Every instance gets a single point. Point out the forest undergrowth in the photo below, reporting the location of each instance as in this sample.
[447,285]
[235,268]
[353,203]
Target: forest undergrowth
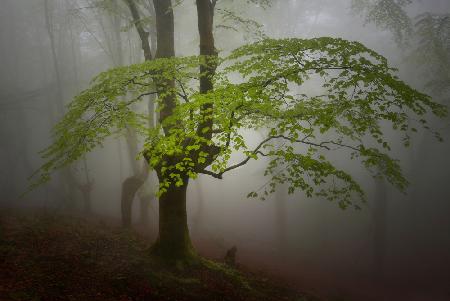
[52,256]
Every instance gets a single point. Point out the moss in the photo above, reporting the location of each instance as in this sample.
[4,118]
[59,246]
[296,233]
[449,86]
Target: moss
[234,275]
[179,259]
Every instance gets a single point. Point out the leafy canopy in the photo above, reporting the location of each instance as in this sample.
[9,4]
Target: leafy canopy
[270,86]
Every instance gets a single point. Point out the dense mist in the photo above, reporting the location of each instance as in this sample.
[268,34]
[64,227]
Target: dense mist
[396,247]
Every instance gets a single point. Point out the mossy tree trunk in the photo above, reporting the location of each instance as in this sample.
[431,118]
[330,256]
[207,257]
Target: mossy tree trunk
[174,243]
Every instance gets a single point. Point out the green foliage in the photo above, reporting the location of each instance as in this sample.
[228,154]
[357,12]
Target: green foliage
[360,94]
[233,15]
[105,109]
[263,87]
[230,20]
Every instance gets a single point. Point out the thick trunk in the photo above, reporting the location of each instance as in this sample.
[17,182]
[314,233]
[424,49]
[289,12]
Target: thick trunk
[205,12]
[174,243]
[165,40]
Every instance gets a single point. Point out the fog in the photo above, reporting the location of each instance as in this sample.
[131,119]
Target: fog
[397,247]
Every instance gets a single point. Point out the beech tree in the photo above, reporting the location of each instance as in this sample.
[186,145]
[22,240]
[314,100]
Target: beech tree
[205,102]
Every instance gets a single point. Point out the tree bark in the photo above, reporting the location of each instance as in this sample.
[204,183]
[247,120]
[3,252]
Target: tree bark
[165,40]
[198,219]
[174,242]
[205,15]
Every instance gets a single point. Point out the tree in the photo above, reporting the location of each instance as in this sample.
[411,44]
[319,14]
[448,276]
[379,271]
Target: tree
[132,184]
[204,103]
[111,39]
[69,178]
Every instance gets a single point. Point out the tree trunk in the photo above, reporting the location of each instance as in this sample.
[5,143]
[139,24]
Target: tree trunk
[145,207]
[129,188]
[174,243]
[380,230]
[197,221]
[132,184]
[280,219]
[67,176]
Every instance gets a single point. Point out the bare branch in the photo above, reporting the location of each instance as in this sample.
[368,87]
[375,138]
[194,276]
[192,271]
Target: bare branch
[184,95]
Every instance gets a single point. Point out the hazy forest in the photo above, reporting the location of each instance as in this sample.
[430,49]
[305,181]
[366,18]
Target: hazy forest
[233,150]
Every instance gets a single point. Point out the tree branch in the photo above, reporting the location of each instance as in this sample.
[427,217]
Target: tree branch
[261,144]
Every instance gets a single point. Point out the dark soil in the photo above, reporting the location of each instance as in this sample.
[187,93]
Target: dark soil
[48,256]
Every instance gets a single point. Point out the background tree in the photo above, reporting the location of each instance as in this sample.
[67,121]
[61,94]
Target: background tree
[424,39]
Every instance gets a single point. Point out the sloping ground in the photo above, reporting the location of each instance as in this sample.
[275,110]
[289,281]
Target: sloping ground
[55,257]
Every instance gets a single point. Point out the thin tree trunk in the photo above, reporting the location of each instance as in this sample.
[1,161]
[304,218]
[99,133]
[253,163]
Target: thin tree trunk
[143,35]
[129,188]
[379,213]
[280,218]
[59,94]
[86,188]
[280,213]
[66,173]
[132,184]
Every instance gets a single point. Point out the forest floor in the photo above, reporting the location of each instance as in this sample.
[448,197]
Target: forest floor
[48,256]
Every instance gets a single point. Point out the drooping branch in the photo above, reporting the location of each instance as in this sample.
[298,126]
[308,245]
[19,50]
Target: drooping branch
[257,151]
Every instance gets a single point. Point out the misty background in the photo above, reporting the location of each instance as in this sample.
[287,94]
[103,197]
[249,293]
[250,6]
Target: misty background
[397,244]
